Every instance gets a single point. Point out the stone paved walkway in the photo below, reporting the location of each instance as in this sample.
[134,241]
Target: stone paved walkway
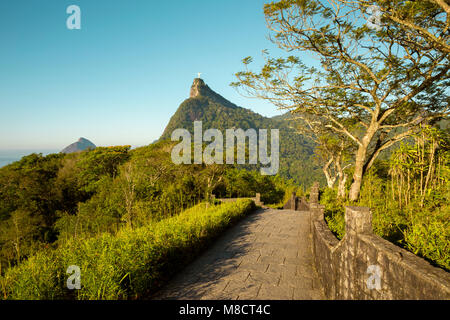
[267,256]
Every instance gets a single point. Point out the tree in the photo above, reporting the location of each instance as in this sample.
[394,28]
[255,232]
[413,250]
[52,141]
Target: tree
[332,149]
[139,177]
[334,157]
[212,176]
[375,86]
[130,178]
[20,233]
[102,161]
[418,169]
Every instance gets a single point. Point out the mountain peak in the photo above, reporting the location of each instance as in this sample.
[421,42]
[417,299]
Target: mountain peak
[204,104]
[81,145]
[199,88]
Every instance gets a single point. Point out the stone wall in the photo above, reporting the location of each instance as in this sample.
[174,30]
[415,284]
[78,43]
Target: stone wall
[364,266]
[256,199]
[296,203]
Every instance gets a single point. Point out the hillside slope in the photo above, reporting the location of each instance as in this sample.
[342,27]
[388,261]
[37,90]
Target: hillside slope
[296,152]
[78,146]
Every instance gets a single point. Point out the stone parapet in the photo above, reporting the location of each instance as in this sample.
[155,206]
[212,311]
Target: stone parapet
[364,266]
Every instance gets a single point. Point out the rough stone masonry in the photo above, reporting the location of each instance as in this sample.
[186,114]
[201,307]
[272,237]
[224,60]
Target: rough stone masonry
[348,267]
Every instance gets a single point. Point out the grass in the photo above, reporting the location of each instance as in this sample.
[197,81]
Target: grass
[129,265]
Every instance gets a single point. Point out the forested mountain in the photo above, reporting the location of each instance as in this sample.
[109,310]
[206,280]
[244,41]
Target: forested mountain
[47,201]
[50,200]
[296,152]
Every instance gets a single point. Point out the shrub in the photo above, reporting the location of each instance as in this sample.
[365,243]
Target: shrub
[334,212]
[423,231]
[428,235]
[130,264]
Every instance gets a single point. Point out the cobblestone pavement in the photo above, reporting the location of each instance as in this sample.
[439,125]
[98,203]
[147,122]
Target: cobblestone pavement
[267,256]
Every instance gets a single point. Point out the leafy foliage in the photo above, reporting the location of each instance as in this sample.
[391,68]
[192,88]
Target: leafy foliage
[372,87]
[54,200]
[131,264]
[296,152]
[408,208]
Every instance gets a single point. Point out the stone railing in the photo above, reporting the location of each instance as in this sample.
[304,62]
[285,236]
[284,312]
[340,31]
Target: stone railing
[364,266]
[300,204]
[296,203]
[256,199]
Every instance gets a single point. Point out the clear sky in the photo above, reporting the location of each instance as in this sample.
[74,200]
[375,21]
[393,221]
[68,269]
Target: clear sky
[120,78]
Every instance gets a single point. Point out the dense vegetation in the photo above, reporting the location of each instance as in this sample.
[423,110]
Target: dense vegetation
[46,202]
[408,194]
[297,159]
[98,201]
[132,263]
[373,87]
[131,218]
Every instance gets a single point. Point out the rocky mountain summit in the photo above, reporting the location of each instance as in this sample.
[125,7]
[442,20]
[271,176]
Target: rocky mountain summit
[200,89]
[81,145]
[216,112]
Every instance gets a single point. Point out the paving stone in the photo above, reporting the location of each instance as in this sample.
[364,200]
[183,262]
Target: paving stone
[300,283]
[219,296]
[247,296]
[253,266]
[285,270]
[256,246]
[252,257]
[237,276]
[266,251]
[270,259]
[266,256]
[269,292]
[291,260]
[302,294]
[266,278]
[214,287]
[290,253]
[250,287]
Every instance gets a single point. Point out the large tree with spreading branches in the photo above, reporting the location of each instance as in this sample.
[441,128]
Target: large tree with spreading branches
[382,69]
[332,149]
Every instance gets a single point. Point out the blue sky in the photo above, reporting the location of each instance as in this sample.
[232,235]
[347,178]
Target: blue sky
[120,78]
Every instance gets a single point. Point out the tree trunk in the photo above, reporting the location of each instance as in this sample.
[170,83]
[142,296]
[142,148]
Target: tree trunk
[330,180]
[430,171]
[360,161]
[17,242]
[341,185]
[359,172]
[342,176]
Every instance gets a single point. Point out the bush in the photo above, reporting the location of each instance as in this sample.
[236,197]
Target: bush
[423,231]
[428,235]
[130,264]
[334,212]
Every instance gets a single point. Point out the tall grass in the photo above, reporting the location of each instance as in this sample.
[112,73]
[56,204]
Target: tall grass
[129,265]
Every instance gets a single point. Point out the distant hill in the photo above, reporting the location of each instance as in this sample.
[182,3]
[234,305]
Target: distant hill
[284,116]
[81,145]
[296,152]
